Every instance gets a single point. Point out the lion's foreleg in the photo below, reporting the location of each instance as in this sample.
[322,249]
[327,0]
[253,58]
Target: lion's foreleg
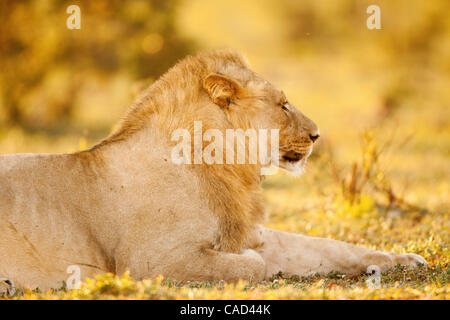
[301,255]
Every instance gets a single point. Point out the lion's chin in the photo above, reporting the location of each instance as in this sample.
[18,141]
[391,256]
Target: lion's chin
[294,163]
[293,168]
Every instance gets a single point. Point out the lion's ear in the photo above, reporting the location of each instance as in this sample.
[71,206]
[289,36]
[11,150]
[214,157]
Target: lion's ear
[221,89]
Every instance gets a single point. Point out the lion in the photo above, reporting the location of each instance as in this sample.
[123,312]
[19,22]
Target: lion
[124,205]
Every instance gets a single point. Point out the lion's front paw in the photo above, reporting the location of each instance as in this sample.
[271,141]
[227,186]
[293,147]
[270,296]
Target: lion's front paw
[386,260]
[410,259]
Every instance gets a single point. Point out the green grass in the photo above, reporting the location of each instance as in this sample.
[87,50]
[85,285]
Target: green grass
[396,283]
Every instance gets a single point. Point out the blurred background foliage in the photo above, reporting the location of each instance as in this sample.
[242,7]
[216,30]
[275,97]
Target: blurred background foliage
[49,71]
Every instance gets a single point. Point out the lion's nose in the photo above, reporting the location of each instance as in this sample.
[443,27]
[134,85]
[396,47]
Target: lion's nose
[314,137]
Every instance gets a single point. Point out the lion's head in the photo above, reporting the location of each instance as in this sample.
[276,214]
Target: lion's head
[251,101]
[219,88]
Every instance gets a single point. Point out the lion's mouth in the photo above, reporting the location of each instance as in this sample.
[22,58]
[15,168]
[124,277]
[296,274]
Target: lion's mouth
[294,162]
[292,156]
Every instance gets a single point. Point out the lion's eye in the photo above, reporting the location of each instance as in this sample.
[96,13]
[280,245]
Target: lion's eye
[284,107]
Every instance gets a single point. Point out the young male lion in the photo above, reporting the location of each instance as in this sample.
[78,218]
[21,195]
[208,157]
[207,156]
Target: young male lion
[124,205]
